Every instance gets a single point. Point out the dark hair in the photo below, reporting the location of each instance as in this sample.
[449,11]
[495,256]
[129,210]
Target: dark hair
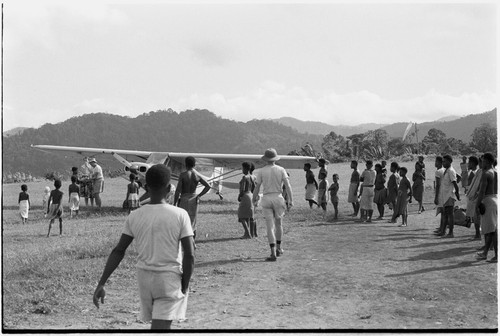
[74,169]
[378,165]
[335,175]
[448,157]
[245,165]
[395,165]
[132,177]
[190,162]
[252,167]
[307,164]
[24,187]
[369,162]
[439,158]
[73,179]
[354,161]
[322,160]
[489,157]
[158,176]
[404,169]
[57,184]
[473,159]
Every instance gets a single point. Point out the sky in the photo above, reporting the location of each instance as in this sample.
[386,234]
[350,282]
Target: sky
[335,62]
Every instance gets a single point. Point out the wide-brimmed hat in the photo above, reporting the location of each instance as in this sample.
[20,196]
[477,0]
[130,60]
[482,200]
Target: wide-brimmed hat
[270,155]
[92,160]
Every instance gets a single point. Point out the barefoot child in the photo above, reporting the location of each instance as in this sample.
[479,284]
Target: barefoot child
[392,186]
[54,207]
[311,185]
[322,194]
[334,198]
[132,196]
[74,196]
[45,198]
[404,197]
[24,203]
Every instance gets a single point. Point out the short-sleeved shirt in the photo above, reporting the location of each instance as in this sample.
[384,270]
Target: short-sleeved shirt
[97,172]
[446,188]
[271,178]
[440,173]
[157,230]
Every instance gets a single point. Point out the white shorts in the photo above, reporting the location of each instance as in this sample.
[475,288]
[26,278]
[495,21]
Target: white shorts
[273,205]
[161,295]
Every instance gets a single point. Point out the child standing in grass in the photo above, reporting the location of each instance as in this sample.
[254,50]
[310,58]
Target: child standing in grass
[132,193]
[404,197]
[24,203]
[334,198]
[74,196]
[54,207]
[322,194]
[45,198]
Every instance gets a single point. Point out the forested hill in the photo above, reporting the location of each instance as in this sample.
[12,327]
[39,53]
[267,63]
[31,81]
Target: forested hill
[460,128]
[167,131]
[316,127]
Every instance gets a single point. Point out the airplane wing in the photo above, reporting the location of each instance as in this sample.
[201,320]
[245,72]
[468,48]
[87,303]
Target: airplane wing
[88,151]
[230,161]
[234,161]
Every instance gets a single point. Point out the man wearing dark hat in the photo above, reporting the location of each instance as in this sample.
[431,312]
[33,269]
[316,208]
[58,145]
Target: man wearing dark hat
[272,178]
[98,181]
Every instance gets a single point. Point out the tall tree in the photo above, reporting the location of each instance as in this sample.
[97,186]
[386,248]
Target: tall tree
[335,147]
[484,138]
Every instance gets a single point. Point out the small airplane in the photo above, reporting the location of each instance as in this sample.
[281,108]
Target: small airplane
[210,166]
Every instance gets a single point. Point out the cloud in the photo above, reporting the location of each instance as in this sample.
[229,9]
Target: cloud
[274,100]
[42,23]
[213,53]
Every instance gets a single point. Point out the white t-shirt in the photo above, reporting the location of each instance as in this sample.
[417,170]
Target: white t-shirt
[271,178]
[440,173]
[97,172]
[446,188]
[157,230]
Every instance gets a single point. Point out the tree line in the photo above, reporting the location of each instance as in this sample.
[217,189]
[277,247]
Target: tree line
[377,145]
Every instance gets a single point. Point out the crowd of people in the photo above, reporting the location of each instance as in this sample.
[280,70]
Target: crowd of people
[478,178]
[87,183]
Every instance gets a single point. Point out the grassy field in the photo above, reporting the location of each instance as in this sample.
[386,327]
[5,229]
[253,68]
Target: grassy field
[333,275]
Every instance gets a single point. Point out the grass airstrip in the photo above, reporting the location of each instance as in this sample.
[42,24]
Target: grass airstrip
[333,275]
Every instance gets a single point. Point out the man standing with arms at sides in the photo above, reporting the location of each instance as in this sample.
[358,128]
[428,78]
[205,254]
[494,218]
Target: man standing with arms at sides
[367,192]
[271,178]
[98,182]
[448,194]
[185,193]
[438,163]
[163,269]
[352,197]
[487,203]
[472,193]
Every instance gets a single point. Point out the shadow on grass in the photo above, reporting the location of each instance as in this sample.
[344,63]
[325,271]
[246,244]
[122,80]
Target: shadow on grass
[439,255]
[402,237]
[441,241]
[216,240]
[462,264]
[230,261]
[219,212]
